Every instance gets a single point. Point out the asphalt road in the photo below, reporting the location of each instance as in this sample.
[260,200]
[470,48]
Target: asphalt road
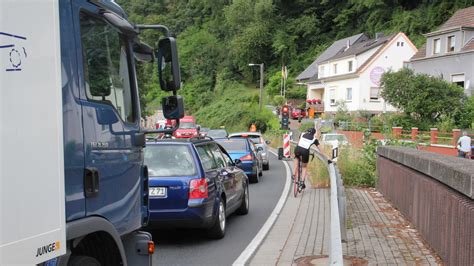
[191,247]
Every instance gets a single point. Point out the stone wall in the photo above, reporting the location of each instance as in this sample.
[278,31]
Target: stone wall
[435,192]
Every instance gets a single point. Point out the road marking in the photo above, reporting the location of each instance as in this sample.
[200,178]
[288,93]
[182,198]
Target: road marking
[257,240]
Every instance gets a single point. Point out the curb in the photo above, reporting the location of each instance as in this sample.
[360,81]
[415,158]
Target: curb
[262,233]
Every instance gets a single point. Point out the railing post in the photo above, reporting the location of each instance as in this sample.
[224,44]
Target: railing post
[433,135]
[414,133]
[396,132]
[456,136]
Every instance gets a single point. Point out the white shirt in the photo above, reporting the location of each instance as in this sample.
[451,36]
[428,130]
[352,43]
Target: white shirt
[464,144]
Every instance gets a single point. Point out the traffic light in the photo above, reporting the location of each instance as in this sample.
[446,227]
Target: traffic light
[285,117]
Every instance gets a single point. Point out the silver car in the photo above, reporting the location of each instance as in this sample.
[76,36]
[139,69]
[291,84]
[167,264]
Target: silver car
[256,137]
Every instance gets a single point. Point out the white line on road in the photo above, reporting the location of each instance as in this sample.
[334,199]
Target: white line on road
[257,240]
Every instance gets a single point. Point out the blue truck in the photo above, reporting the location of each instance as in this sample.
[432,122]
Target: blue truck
[74,187]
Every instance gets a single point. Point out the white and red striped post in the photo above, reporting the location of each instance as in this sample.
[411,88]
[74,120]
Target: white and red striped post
[286,145]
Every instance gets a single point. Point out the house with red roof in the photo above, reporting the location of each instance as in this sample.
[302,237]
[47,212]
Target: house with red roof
[449,51]
[351,75]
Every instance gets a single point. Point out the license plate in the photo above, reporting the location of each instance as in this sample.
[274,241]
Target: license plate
[157,192]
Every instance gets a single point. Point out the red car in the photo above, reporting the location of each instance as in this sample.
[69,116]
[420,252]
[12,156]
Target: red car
[296,112]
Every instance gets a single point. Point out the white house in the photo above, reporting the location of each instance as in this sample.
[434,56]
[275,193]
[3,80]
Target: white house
[352,75]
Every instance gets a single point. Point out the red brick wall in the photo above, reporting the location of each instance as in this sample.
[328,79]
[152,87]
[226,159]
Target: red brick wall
[442,215]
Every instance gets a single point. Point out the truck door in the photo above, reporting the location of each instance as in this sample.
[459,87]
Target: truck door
[110,113]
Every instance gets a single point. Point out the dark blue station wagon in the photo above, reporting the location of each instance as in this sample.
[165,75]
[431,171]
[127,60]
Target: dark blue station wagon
[194,183]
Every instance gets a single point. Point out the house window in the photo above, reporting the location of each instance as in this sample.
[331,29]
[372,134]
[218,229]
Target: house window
[451,43]
[349,94]
[332,96]
[321,71]
[374,93]
[458,79]
[350,66]
[335,68]
[436,46]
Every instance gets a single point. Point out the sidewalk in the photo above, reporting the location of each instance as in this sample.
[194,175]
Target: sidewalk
[377,234]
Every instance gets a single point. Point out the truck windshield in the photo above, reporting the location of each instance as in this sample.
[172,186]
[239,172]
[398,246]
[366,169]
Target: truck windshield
[186,125]
[165,160]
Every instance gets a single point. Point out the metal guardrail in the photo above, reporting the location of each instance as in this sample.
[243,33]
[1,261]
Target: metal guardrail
[338,210]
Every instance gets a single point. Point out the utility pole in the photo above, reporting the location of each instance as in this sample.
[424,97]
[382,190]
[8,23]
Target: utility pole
[261,83]
[261,86]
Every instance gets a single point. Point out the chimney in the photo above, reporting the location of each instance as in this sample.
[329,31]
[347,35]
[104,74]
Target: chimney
[348,44]
[378,35]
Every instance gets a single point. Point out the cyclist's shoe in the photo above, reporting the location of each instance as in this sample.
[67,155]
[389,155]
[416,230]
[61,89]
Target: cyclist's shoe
[292,177]
[303,186]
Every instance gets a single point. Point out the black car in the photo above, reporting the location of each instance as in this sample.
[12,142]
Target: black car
[194,183]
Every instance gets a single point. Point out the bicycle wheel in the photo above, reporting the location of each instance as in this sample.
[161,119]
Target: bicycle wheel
[295,186]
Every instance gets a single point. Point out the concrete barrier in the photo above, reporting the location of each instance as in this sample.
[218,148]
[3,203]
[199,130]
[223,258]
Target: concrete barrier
[435,192]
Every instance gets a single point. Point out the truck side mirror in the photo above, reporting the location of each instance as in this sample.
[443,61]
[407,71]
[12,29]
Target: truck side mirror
[173,107]
[143,52]
[106,116]
[168,65]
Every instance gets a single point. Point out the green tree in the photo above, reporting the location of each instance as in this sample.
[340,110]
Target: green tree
[420,96]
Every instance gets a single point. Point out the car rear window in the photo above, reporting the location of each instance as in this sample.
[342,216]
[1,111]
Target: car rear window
[254,138]
[217,133]
[234,144]
[169,160]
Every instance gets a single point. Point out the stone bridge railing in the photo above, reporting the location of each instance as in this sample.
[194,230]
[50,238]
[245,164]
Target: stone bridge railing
[436,193]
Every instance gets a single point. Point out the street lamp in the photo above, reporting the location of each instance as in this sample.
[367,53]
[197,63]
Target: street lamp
[261,82]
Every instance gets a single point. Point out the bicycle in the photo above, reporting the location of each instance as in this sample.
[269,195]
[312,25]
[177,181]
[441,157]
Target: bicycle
[297,180]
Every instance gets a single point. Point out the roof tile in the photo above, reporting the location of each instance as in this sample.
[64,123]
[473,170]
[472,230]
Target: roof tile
[462,18]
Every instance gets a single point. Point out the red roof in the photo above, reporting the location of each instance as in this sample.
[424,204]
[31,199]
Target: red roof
[462,18]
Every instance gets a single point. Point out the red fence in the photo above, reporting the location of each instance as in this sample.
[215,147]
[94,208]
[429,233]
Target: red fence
[433,140]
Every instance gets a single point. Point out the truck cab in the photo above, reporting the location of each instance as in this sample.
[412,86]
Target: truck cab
[187,128]
[69,84]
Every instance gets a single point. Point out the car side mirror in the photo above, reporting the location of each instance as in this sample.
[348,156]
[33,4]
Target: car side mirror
[238,162]
[267,142]
[169,73]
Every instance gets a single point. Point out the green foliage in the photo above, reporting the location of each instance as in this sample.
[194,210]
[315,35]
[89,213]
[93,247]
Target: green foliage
[305,126]
[217,39]
[278,101]
[423,98]
[342,114]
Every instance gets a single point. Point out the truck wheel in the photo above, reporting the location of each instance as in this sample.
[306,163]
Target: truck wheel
[217,231]
[83,260]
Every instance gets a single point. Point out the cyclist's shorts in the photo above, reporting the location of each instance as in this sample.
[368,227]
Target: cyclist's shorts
[304,153]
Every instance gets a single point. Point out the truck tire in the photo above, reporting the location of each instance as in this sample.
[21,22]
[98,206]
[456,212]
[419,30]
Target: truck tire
[83,260]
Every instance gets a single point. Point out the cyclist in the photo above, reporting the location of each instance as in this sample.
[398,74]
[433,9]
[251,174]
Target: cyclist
[307,139]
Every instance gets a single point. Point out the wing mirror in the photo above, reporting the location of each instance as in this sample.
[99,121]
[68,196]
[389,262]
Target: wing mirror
[168,65]
[238,163]
[267,142]
[106,116]
[173,107]
[143,52]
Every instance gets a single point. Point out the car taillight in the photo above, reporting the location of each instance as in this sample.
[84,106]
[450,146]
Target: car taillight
[198,189]
[247,157]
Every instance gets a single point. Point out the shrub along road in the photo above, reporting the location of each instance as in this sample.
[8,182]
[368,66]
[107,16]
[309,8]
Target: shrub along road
[191,247]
